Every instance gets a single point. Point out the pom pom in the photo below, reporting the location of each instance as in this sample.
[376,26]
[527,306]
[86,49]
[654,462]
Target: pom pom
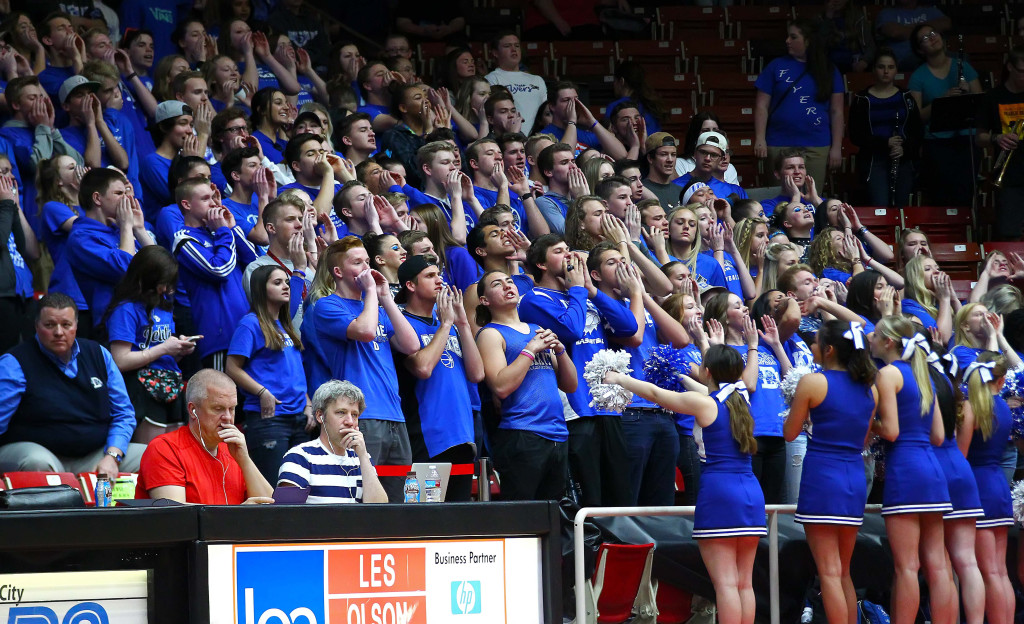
[607,397]
[664,366]
[1013,392]
[792,378]
[1017,493]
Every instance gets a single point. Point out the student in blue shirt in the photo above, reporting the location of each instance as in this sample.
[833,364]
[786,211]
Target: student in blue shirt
[315,169]
[432,381]
[976,330]
[252,188]
[212,254]
[173,132]
[349,329]
[524,366]
[445,187]
[373,80]
[490,184]
[710,149]
[104,239]
[566,110]
[800,103]
[566,301]
[269,121]
[790,169]
[140,326]
[684,244]
[265,361]
[87,131]
[63,56]
[718,242]
[117,120]
[457,267]
[556,167]
[57,181]
[357,140]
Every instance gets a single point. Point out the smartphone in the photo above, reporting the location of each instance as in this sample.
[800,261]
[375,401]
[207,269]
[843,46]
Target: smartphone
[193,338]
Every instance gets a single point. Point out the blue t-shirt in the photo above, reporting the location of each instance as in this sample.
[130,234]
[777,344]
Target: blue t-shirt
[373,110]
[280,372]
[62,280]
[272,149]
[766,402]
[732,276]
[246,215]
[721,188]
[445,410]
[153,176]
[690,353]
[157,16]
[836,275]
[652,122]
[910,306]
[332,355]
[489,198]
[798,119]
[22,274]
[707,271]
[584,138]
[129,323]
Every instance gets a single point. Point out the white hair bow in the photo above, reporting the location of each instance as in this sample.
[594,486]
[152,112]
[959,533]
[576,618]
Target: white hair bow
[984,369]
[856,334]
[951,367]
[909,344]
[724,392]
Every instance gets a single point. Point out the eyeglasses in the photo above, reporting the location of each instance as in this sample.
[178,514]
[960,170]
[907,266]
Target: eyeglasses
[236,129]
[707,154]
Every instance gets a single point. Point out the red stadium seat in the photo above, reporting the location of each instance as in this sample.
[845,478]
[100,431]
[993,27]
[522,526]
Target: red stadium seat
[941,224]
[681,22]
[675,89]
[963,287]
[714,55]
[759,21]
[583,58]
[674,604]
[1007,247]
[884,223]
[15,480]
[621,585]
[736,119]
[657,57]
[728,89]
[959,260]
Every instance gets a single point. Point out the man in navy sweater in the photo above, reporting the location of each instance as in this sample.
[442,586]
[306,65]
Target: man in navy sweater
[63,403]
[212,254]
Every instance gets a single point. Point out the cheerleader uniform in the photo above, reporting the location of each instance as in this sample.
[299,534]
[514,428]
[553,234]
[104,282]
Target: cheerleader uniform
[833,490]
[730,502]
[985,456]
[963,491]
[914,481]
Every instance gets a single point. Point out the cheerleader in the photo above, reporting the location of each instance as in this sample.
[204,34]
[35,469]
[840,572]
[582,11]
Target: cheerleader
[840,402]
[729,519]
[983,436]
[915,493]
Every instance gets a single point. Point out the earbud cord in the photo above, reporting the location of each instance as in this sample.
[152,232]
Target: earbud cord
[224,469]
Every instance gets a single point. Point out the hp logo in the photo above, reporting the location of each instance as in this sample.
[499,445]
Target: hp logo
[465,597]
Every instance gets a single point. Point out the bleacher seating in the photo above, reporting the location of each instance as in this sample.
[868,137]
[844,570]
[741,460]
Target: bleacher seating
[941,224]
[959,260]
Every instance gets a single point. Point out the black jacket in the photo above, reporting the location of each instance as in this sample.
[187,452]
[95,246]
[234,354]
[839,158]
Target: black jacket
[874,146]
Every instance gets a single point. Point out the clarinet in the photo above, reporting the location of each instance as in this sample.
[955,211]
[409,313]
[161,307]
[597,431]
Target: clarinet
[894,166]
[961,81]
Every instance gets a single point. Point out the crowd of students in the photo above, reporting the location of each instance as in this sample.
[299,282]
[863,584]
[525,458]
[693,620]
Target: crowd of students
[459,250]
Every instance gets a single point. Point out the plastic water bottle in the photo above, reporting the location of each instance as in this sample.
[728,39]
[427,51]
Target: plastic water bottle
[104,491]
[432,486]
[412,488]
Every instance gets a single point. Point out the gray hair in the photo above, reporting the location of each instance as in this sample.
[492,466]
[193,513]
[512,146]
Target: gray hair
[333,390]
[199,385]
[1002,299]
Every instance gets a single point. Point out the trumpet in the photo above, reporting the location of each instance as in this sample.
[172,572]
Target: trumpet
[1003,160]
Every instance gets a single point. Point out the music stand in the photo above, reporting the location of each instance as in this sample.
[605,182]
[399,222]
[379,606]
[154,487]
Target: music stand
[950,114]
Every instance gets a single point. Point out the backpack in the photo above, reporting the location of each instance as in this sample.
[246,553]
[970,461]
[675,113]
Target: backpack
[870,613]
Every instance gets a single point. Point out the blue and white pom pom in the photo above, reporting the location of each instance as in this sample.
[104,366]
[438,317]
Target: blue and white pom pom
[792,378]
[1017,494]
[664,366]
[607,397]
[1014,389]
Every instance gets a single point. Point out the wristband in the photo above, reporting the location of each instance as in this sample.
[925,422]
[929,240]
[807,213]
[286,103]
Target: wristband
[858,261]
[525,196]
[593,125]
[260,393]
[863,229]
[527,354]
[129,77]
[559,353]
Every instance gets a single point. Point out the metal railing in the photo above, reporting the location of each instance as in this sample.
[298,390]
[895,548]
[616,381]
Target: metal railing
[772,512]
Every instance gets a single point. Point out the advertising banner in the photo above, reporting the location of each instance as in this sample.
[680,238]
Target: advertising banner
[107,597]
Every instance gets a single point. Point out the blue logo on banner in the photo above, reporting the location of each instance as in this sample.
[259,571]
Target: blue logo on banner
[82,613]
[465,597]
[280,587]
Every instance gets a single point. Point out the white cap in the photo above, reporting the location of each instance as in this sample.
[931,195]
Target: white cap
[714,139]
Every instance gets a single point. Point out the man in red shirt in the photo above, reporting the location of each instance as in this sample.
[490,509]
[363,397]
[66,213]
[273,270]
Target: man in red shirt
[207,462]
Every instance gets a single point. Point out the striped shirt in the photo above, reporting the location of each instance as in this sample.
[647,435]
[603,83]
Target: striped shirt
[330,478]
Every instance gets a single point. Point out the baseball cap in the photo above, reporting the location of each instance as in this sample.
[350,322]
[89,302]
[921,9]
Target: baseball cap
[171,109]
[660,139]
[412,267]
[714,139]
[308,116]
[710,290]
[75,82]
